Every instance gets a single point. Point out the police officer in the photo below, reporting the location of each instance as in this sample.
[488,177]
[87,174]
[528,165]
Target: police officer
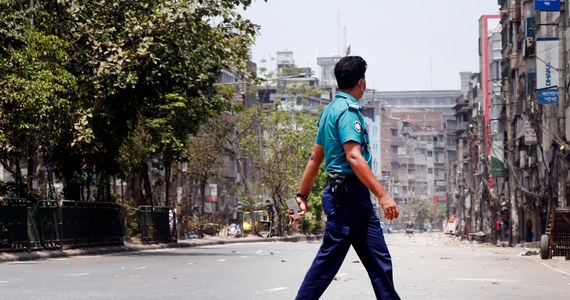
[343,143]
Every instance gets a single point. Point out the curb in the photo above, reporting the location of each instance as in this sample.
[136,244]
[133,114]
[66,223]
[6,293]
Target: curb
[48,254]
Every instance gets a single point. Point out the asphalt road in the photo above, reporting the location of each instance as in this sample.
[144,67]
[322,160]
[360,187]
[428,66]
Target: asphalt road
[427,266]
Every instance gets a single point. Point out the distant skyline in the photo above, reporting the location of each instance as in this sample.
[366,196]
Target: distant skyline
[409,45]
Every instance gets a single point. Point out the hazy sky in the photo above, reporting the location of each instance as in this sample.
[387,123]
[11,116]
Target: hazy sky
[409,45]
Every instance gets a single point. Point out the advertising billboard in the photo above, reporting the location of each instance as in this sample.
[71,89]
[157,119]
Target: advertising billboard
[547,65]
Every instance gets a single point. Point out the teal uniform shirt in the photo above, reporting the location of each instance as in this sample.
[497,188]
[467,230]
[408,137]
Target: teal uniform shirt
[340,122]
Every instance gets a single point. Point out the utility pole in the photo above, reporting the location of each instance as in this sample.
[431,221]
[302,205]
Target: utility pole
[510,188]
[562,175]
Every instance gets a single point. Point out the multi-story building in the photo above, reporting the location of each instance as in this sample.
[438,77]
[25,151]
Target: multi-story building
[433,100]
[511,124]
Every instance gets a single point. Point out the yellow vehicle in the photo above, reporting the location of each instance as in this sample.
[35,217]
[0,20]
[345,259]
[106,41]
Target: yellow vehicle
[259,216]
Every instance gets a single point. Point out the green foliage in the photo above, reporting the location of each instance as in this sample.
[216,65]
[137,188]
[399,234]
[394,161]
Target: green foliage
[418,211]
[35,88]
[286,141]
[88,74]
[129,216]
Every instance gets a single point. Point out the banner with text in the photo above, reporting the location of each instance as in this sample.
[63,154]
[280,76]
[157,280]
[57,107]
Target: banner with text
[211,192]
[547,5]
[547,65]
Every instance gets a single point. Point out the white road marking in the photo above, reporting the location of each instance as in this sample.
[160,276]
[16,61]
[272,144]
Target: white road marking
[79,274]
[221,260]
[277,289]
[22,263]
[162,250]
[485,279]
[139,268]
[554,269]
[2,281]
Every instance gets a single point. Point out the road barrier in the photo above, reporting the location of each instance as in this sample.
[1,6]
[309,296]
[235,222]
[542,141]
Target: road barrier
[18,230]
[49,225]
[72,224]
[156,224]
[91,224]
[48,215]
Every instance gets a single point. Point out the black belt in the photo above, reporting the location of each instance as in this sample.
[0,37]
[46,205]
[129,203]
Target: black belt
[342,178]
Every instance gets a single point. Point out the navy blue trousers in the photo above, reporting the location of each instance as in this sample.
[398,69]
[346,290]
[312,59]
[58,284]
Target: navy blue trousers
[350,222]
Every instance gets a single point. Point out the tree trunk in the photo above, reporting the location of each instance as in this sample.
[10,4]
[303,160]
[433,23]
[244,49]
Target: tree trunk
[167,175]
[19,184]
[31,172]
[147,185]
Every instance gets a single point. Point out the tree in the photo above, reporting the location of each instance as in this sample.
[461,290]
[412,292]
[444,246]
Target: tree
[206,152]
[287,140]
[418,211]
[35,104]
[135,62]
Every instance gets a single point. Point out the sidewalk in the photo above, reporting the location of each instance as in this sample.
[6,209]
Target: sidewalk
[129,247]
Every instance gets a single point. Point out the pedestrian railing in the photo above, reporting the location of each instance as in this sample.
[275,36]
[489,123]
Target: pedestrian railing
[50,226]
[91,224]
[18,230]
[53,225]
[156,224]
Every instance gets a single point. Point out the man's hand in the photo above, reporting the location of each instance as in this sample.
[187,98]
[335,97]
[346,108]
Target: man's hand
[390,207]
[302,210]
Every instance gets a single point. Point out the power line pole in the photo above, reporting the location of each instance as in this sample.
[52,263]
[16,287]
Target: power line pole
[562,175]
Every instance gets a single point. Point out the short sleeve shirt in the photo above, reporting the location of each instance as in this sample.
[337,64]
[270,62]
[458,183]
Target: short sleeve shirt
[340,122]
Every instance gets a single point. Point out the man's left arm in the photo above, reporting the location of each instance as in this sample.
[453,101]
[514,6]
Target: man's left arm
[366,176]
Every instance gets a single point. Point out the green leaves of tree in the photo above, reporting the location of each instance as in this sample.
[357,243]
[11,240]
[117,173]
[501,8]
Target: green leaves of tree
[89,73]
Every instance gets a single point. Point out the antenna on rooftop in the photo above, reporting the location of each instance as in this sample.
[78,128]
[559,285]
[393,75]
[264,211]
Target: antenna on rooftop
[339,41]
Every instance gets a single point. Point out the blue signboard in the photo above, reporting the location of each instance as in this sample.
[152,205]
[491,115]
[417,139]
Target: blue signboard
[547,5]
[547,96]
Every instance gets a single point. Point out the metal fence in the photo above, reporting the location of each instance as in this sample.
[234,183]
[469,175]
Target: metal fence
[18,229]
[72,224]
[50,225]
[156,224]
[91,224]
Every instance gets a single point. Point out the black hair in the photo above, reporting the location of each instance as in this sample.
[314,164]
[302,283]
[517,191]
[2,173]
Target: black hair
[348,71]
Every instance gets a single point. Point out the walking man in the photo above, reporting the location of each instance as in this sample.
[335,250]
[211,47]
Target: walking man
[342,142]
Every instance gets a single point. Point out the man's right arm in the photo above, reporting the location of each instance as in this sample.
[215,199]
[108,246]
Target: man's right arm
[364,173]
[311,172]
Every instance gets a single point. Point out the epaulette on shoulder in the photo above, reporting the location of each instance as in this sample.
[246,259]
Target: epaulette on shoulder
[353,107]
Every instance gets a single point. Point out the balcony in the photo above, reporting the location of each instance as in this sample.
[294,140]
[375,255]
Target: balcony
[514,13]
[514,61]
[462,127]
[439,144]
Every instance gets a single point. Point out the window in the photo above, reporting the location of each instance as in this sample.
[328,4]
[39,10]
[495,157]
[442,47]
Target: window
[394,132]
[430,170]
[430,153]
[394,149]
